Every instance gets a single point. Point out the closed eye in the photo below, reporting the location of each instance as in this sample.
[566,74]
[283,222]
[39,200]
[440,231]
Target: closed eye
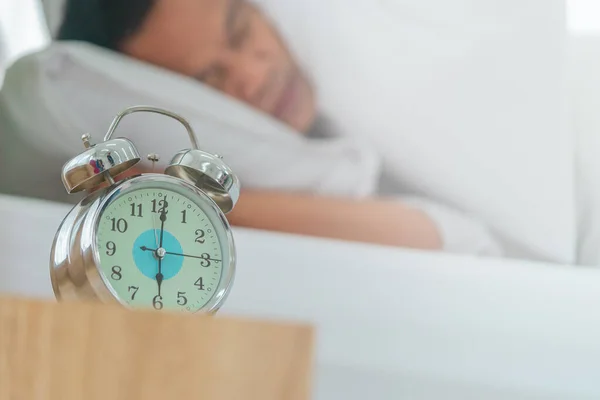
[214,76]
[240,36]
[238,25]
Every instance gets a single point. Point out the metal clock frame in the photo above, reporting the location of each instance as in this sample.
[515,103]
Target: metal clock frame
[75,260]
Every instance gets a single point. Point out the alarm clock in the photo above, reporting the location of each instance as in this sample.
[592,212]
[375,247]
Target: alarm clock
[158,241]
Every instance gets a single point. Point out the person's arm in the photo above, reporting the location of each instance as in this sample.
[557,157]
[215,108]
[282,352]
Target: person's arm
[409,222]
[385,222]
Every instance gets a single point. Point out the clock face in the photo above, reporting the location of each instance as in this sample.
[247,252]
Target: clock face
[162,248]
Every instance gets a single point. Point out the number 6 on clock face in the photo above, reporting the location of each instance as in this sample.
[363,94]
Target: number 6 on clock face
[163,246]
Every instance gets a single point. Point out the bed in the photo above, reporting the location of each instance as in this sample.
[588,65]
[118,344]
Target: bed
[390,323]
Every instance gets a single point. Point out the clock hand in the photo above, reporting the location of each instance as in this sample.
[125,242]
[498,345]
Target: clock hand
[155,226]
[163,218]
[160,252]
[159,276]
[187,255]
[144,248]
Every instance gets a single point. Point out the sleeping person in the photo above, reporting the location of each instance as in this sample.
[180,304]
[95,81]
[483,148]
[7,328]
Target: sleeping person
[232,47]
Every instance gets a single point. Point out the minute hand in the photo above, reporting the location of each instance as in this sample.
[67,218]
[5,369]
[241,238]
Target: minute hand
[187,255]
[144,248]
[163,218]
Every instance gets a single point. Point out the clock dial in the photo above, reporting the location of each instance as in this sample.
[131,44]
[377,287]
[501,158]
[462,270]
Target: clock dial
[159,249]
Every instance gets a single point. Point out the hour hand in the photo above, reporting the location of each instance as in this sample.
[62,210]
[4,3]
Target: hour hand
[159,275]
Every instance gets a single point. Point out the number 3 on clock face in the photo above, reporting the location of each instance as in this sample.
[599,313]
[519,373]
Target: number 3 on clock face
[164,248]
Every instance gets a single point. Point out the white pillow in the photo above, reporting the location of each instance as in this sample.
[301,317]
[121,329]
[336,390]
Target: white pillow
[464,99]
[584,85]
[54,96]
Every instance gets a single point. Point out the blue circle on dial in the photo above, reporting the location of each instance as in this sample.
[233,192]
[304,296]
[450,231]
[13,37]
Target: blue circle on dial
[148,264]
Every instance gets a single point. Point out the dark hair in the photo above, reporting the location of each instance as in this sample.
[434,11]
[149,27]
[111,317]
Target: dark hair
[105,23]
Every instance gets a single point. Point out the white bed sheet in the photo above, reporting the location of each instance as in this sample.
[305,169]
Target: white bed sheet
[390,323]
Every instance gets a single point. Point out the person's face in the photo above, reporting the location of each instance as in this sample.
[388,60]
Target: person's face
[229,45]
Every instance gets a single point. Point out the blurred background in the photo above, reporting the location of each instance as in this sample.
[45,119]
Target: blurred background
[465,83]
[23,27]
[583,15]
[482,114]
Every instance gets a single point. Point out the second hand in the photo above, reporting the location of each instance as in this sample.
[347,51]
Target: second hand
[160,252]
[144,248]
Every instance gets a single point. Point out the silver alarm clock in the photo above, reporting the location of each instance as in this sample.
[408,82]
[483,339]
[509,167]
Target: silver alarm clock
[156,241]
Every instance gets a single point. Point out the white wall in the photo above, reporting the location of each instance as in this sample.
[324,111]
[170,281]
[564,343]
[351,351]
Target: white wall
[584,15]
[22,29]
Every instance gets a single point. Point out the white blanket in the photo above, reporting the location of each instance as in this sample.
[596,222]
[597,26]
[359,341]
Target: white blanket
[390,324]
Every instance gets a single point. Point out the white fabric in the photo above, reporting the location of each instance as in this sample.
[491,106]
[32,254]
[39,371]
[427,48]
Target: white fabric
[71,88]
[75,88]
[460,232]
[584,84]
[390,324]
[465,100]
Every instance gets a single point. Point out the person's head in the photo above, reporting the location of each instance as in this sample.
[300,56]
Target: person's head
[228,44]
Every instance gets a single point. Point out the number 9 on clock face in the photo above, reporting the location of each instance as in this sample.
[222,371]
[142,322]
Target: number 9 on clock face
[164,245]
